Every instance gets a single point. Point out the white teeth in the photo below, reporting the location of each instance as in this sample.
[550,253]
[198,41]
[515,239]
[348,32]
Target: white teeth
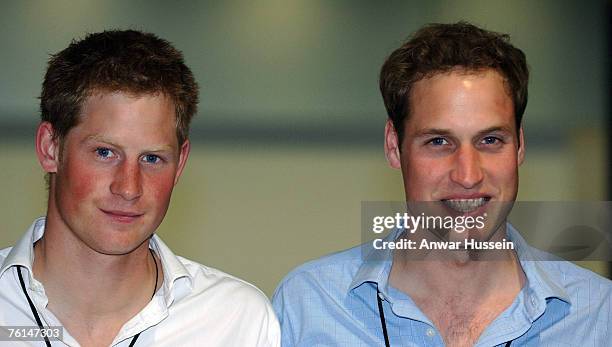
[465,205]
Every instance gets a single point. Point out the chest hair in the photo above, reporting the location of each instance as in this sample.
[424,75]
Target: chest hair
[461,321]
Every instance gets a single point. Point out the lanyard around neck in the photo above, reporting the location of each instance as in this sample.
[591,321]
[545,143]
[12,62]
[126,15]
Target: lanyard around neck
[35,311]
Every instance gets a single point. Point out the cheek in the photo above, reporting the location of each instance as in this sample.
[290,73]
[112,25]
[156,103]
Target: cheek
[78,181]
[504,168]
[160,187]
[420,171]
[423,177]
[507,175]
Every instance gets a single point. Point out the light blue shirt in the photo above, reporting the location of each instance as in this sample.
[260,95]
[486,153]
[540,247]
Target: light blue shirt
[332,302]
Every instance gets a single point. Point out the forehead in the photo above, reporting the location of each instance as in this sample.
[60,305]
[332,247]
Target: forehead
[127,117]
[143,107]
[97,94]
[458,99]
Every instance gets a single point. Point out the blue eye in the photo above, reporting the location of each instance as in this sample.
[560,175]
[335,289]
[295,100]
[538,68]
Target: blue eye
[151,158]
[490,140]
[104,152]
[438,141]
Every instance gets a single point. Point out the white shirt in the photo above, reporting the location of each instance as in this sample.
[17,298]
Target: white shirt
[195,306]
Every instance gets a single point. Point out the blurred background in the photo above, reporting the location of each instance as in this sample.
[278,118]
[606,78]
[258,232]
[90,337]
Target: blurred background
[288,138]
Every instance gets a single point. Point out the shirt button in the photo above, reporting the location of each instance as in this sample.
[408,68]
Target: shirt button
[430,332]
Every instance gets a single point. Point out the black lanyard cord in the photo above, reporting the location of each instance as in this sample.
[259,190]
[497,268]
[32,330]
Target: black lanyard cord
[383,323]
[39,321]
[381,313]
[32,307]
[154,289]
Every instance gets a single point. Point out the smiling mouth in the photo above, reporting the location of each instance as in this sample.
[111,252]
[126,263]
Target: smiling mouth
[466,205]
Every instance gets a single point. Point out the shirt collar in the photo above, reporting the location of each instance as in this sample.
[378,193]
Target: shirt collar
[376,265]
[543,282]
[22,254]
[174,270]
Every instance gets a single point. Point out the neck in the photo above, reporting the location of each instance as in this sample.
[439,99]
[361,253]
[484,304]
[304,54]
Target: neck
[449,273]
[84,284]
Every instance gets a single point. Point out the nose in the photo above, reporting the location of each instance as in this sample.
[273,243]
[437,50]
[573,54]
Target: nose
[467,169]
[127,181]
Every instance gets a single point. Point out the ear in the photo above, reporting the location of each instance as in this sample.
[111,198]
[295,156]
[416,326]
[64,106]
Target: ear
[183,155]
[521,149]
[47,147]
[392,146]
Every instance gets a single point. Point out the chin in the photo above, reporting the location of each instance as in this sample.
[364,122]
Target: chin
[117,246]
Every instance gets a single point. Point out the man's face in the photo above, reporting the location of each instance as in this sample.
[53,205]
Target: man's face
[117,170]
[460,146]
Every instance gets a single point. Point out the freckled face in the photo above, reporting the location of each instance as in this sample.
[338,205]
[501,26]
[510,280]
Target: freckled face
[117,171]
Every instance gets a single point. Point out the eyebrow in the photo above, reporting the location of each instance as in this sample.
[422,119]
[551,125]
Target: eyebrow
[446,132]
[99,138]
[432,131]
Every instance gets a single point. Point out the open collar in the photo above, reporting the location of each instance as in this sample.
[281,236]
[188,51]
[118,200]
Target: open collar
[543,281]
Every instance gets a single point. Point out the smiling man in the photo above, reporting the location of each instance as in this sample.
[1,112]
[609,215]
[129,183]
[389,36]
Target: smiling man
[116,108]
[455,95]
